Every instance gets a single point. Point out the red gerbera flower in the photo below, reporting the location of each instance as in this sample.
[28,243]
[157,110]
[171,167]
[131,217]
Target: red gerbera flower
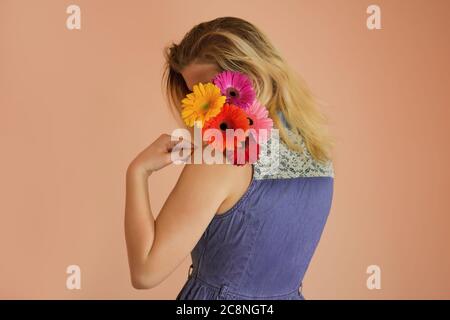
[230,117]
[245,152]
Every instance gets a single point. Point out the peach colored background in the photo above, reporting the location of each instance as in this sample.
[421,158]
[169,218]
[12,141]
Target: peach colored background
[77,106]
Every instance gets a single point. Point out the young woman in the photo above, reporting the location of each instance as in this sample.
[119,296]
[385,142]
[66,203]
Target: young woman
[252,229]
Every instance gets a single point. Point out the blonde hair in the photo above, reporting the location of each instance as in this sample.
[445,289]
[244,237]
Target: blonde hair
[237,45]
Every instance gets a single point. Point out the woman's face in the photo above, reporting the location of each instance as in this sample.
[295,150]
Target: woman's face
[199,72]
[195,73]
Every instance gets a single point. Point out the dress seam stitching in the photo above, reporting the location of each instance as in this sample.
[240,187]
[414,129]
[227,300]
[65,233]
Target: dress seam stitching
[228,292]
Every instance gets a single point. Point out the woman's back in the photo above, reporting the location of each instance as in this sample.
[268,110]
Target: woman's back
[262,246]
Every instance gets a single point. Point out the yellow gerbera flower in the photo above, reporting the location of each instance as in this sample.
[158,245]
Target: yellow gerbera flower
[203,103]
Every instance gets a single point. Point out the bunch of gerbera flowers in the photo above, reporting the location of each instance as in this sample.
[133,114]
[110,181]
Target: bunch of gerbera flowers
[229,107]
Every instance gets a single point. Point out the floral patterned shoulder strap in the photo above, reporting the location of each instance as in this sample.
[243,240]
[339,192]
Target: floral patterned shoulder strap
[285,163]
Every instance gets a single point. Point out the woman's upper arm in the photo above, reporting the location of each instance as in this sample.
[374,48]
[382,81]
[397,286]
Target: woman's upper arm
[185,215]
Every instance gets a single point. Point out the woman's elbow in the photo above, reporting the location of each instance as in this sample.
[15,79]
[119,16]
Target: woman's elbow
[140,285]
[143,281]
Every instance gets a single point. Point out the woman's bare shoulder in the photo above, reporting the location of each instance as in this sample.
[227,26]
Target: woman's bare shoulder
[224,173]
[228,180]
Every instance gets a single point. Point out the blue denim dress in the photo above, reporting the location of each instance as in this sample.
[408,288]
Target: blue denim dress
[261,247]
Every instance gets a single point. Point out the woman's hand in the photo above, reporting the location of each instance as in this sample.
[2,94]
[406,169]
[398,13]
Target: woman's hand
[156,156]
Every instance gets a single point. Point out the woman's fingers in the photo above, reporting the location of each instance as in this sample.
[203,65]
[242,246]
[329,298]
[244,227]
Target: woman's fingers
[181,151]
[162,152]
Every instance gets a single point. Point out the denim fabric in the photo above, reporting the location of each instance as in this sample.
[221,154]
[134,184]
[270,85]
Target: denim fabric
[261,247]
[283,119]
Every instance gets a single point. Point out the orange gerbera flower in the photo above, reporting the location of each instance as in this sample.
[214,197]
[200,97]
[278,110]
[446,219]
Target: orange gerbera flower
[230,117]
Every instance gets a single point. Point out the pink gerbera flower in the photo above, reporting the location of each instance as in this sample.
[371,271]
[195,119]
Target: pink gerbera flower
[237,87]
[258,117]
